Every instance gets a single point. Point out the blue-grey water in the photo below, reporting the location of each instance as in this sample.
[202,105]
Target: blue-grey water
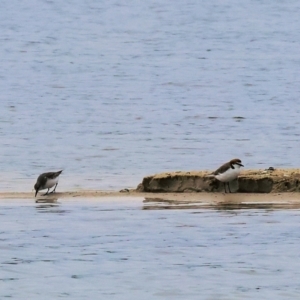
[111,91]
[114,91]
[115,249]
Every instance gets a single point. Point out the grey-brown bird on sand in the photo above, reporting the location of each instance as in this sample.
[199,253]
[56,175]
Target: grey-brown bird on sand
[47,181]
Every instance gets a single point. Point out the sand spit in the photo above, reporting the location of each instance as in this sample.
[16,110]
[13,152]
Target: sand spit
[154,201]
[250,181]
[64,195]
[259,188]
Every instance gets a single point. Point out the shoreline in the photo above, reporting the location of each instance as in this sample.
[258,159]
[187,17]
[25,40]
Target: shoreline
[201,199]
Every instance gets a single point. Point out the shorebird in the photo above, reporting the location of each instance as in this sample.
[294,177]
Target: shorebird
[228,172]
[47,181]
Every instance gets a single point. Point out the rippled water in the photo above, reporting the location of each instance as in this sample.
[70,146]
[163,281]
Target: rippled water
[115,249]
[113,91]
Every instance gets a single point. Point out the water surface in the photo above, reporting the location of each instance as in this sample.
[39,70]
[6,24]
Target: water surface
[87,249]
[114,91]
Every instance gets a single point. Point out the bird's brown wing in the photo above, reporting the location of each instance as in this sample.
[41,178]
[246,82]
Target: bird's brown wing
[222,169]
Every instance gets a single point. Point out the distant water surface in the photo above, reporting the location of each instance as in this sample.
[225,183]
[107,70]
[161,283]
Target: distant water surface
[112,249]
[114,91]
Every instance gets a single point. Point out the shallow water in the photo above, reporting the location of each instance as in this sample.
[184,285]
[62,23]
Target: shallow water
[114,91]
[115,249]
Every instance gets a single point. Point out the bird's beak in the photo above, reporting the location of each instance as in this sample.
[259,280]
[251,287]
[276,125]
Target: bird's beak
[36,192]
[241,165]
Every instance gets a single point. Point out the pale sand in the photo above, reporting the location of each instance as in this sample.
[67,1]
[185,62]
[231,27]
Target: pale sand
[199,198]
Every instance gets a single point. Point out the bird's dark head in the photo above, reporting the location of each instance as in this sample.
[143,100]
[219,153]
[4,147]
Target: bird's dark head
[237,162]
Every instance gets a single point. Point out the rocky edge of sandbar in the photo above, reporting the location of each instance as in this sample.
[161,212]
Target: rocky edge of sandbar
[249,181]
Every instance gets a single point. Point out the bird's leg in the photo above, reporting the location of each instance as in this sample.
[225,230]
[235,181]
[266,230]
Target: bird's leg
[54,189]
[229,187]
[46,193]
[225,187]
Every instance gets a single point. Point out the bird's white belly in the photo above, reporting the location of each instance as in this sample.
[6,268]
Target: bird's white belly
[229,175]
[50,183]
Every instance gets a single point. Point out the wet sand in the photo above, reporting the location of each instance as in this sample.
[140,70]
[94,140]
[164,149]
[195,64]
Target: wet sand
[203,199]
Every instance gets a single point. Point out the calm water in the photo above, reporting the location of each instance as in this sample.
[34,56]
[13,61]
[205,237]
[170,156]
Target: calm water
[114,249]
[113,91]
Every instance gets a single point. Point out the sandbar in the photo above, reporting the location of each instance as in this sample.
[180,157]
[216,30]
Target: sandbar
[289,200]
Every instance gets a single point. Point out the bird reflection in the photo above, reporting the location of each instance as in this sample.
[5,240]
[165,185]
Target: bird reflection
[49,205]
[47,200]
